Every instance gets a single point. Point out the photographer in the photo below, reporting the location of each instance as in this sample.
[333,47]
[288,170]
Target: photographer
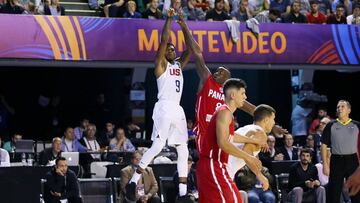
[61,184]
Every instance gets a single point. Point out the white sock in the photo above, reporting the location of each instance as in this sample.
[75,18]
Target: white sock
[135,178]
[182,189]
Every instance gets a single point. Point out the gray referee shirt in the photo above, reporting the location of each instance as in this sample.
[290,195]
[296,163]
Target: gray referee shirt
[342,139]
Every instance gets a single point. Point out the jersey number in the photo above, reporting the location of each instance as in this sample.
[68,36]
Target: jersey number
[177,84]
[218,105]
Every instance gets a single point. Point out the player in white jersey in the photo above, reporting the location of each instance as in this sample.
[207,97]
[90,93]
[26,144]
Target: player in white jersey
[264,120]
[168,116]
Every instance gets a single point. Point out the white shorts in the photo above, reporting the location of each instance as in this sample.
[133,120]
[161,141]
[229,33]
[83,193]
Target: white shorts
[169,123]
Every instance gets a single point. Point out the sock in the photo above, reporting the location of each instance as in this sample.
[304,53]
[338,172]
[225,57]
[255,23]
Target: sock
[135,178]
[182,189]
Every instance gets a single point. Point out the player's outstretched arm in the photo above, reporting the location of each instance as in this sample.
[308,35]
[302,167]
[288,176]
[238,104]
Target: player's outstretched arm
[160,60]
[185,57]
[201,68]
[223,121]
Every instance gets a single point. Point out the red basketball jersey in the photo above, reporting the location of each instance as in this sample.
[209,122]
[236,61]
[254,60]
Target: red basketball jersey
[208,100]
[210,148]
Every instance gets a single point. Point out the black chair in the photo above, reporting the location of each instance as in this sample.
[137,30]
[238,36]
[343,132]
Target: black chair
[282,181]
[97,190]
[167,189]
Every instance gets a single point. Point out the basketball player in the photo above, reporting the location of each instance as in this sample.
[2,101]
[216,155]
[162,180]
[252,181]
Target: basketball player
[264,120]
[168,115]
[214,183]
[210,95]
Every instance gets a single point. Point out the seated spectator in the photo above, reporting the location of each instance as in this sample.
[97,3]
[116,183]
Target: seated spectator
[61,184]
[107,135]
[79,131]
[191,181]
[288,151]
[304,7]
[54,9]
[147,187]
[270,155]
[246,180]
[337,17]
[346,3]
[29,8]
[218,13]
[49,155]
[310,144]
[153,12]
[131,10]
[319,130]
[90,142]
[121,143]
[322,113]
[282,5]
[295,16]
[304,180]
[257,6]
[114,10]
[269,16]
[69,143]
[315,17]
[10,145]
[131,129]
[354,18]
[4,157]
[191,12]
[243,13]
[12,7]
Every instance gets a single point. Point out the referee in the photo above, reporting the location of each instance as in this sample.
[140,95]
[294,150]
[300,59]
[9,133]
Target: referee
[342,136]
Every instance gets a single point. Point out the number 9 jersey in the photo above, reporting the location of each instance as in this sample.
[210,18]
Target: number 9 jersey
[209,99]
[170,83]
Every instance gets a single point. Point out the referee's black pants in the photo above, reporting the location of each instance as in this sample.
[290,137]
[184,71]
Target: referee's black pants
[341,166]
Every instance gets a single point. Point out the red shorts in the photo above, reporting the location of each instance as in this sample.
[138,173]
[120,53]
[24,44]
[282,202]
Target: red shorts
[214,183]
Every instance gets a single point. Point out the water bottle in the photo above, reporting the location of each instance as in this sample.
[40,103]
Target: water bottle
[23,159]
[30,160]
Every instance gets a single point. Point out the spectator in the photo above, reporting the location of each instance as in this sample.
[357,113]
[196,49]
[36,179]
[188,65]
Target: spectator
[257,6]
[29,8]
[346,3]
[304,180]
[288,150]
[190,128]
[315,17]
[246,180]
[243,13]
[131,10]
[282,5]
[342,137]
[107,135]
[325,7]
[218,13]
[61,183]
[90,142]
[12,7]
[132,129]
[79,131]
[270,16]
[54,9]
[114,10]
[191,181]
[310,144]
[147,186]
[271,154]
[49,155]
[304,7]
[322,112]
[153,12]
[354,19]
[191,12]
[10,145]
[121,143]
[69,143]
[319,131]
[4,157]
[337,17]
[295,16]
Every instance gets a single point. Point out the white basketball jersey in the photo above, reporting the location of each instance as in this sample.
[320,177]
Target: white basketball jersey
[234,163]
[170,83]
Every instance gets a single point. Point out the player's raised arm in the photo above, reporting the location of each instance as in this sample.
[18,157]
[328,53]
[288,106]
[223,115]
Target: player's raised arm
[185,56]
[201,68]
[160,60]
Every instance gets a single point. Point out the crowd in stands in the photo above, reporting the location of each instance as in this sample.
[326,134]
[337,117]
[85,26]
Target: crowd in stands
[264,11]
